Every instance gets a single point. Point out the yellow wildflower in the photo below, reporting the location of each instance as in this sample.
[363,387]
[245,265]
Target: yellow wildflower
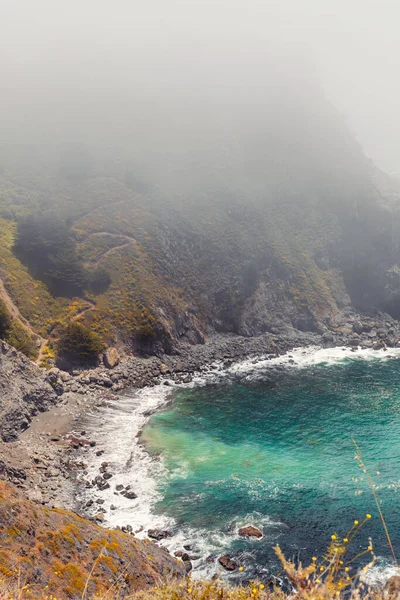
[368,516]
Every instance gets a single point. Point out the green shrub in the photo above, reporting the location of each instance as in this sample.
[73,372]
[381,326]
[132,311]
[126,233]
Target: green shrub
[5,321]
[79,345]
[19,337]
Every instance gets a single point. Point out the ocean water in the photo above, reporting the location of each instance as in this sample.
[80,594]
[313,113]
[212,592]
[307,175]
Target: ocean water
[267,443]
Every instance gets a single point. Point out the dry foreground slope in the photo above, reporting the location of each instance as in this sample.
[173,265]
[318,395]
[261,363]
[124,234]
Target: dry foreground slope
[56,552]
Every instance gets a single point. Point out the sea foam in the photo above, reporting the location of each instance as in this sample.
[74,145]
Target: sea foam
[117,426]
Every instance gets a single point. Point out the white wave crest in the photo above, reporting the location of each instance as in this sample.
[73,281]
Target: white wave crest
[117,426]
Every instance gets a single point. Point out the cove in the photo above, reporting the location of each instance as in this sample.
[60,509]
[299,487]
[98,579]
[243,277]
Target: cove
[273,447]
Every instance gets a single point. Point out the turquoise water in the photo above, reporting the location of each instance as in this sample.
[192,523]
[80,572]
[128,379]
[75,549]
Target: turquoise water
[277,452]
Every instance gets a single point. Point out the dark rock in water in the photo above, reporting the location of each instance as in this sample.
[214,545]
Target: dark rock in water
[127,528]
[232,527]
[107,475]
[113,507]
[211,558]
[188,547]
[381,345]
[226,562]
[129,495]
[178,553]
[119,487]
[104,485]
[250,531]
[159,534]
[100,501]
[99,452]
[185,556]
[188,566]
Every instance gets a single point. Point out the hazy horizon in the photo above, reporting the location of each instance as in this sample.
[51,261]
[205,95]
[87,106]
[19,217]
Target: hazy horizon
[149,70]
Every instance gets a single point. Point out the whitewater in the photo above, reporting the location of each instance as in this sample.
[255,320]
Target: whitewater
[118,429]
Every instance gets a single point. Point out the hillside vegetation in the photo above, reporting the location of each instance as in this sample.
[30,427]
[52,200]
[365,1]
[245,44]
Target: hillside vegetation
[286,233]
[51,552]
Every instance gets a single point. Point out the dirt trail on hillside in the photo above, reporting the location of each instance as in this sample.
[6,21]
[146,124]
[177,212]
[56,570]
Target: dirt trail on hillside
[129,241]
[16,315]
[90,306]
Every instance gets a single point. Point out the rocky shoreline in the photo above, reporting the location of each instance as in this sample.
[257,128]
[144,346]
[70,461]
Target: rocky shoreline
[45,459]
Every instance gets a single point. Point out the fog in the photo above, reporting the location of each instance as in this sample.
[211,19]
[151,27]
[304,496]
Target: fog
[164,77]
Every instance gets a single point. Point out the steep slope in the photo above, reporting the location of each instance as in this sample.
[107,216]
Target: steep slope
[23,392]
[273,223]
[58,553]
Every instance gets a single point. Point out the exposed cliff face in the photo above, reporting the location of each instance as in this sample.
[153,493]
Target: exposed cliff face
[23,392]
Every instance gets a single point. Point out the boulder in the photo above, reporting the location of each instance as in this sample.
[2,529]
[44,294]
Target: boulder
[129,495]
[111,358]
[250,531]
[358,327]
[188,566]
[185,556]
[226,562]
[99,517]
[381,345]
[159,534]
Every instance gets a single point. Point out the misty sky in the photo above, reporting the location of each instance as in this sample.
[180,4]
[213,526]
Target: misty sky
[89,50]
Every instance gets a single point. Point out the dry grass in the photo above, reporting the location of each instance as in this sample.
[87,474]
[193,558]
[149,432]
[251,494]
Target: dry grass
[308,583]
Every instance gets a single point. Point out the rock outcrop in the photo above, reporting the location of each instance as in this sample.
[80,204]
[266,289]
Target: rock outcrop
[111,358]
[23,392]
[250,531]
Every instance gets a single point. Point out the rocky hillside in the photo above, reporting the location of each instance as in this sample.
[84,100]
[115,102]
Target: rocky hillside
[57,553]
[23,392]
[281,226]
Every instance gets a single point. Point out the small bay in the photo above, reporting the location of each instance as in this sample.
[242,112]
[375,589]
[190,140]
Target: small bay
[275,449]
